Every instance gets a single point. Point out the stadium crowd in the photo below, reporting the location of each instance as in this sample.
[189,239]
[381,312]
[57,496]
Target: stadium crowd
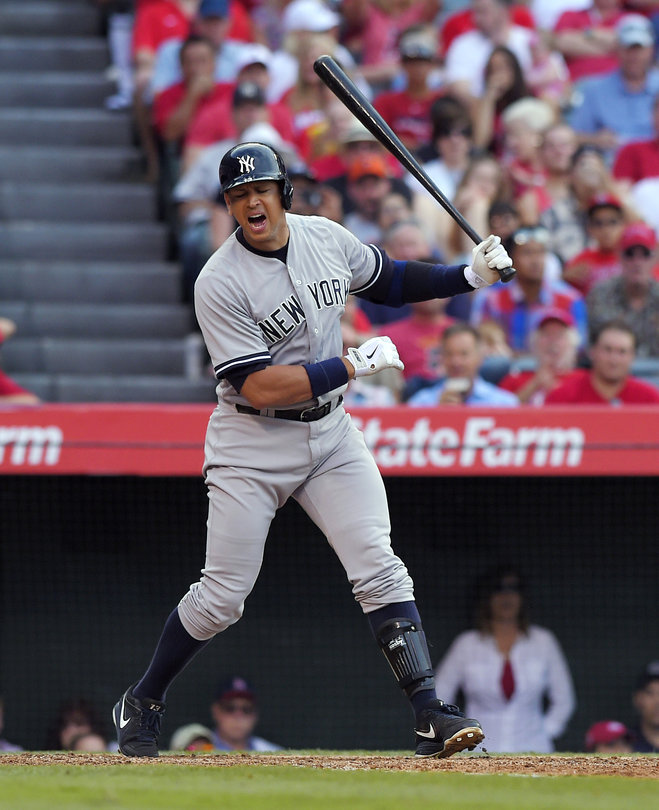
[539,120]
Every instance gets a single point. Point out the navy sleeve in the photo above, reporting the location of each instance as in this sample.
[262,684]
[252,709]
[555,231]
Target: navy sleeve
[237,377]
[406,282]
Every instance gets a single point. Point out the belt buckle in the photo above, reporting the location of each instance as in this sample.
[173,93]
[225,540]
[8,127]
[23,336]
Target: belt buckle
[312,414]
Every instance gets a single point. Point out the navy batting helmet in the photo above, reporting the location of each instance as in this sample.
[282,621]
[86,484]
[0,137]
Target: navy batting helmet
[249,162]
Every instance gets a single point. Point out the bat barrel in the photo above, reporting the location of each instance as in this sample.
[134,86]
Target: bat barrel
[352,97]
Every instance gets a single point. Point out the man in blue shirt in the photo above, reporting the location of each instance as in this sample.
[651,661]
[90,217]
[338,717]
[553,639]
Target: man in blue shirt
[462,353]
[617,107]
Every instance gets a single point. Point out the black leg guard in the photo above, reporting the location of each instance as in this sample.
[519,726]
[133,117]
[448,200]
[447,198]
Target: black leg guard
[403,643]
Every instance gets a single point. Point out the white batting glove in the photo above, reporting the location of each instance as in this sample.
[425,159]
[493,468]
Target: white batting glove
[488,257]
[374,355]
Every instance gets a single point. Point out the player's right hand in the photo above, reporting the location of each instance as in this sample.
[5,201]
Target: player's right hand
[488,258]
[374,355]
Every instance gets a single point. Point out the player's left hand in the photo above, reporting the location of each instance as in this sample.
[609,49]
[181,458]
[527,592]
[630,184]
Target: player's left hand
[489,256]
[373,355]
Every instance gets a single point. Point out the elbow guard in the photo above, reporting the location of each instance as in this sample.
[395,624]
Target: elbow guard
[404,645]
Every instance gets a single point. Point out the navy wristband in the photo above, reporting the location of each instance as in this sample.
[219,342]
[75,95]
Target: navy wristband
[326,375]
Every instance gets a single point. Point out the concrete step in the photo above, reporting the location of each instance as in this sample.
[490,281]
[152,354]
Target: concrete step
[99,320]
[83,241]
[61,89]
[65,53]
[64,127]
[117,388]
[79,202]
[29,17]
[90,282]
[67,163]
[95,356]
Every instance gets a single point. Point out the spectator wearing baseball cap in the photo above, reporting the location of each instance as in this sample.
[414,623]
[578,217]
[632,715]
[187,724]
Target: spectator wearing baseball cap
[192,737]
[634,294]
[586,38]
[554,344]
[616,108]
[235,715]
[368,181]
[646,703]
[609,737]
[407,111]
[605,222]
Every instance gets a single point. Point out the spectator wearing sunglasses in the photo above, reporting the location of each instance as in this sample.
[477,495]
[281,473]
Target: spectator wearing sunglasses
[601,258]
[235,715]
[632,296]
[517,304]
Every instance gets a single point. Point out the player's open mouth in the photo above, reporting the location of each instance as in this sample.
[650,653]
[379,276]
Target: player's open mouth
[257,222]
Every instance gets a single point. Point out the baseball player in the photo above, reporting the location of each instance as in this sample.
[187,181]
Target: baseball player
[269,303]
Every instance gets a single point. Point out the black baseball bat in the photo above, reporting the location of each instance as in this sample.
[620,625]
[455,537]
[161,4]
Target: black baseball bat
[349,94]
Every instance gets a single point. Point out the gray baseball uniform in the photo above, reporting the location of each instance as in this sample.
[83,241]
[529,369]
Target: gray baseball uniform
[252,309]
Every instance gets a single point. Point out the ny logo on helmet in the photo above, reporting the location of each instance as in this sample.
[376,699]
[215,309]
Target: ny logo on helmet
[246,163]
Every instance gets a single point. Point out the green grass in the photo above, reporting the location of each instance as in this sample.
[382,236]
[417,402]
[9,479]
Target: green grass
[164,787]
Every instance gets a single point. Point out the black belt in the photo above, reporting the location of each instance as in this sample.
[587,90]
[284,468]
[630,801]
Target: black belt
[307,415]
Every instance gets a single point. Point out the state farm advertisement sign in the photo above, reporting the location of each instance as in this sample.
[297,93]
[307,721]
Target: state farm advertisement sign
[168,440]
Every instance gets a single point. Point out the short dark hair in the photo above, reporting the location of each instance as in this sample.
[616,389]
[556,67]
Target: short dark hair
[448,113]
[194,39]
[617,324]
[460,328]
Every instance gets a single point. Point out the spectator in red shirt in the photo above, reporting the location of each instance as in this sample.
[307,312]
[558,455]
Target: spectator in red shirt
[462,21]
[418,337]
[176,107]
[588,39]
[376,28]
[639,160]
[11,393]
[605,222]
[215,121]
[407,111]
[609,380]
[155,23]
[554,344]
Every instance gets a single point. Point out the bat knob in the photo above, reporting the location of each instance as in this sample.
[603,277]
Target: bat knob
[507,274]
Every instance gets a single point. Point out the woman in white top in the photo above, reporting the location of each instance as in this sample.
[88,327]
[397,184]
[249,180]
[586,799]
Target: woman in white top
[506,669]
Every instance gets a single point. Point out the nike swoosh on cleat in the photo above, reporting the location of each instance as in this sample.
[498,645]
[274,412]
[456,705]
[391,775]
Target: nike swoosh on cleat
[123,721]
[428,734]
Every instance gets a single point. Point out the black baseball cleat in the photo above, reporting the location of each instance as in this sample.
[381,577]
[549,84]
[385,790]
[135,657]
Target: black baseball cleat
[443,730]
[138,725]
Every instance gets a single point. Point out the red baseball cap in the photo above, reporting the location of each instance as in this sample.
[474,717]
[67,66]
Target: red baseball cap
[603,201]
[553,314]
[606,731]
[638,233]
[367,166]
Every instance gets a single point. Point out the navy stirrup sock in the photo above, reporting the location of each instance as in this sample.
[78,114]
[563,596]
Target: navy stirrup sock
[176,648]
[402,610]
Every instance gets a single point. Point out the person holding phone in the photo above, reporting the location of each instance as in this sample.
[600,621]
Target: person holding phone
[462,352]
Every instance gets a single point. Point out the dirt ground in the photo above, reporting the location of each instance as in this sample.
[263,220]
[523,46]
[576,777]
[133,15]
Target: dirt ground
[645,767]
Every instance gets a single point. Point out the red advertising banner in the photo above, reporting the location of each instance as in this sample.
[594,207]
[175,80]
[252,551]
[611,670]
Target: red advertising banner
[157,440]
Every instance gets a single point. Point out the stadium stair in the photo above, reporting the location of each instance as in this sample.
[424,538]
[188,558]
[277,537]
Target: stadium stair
[84,270]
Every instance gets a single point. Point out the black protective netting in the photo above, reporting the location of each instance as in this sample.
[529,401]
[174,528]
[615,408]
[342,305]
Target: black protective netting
[91,567]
